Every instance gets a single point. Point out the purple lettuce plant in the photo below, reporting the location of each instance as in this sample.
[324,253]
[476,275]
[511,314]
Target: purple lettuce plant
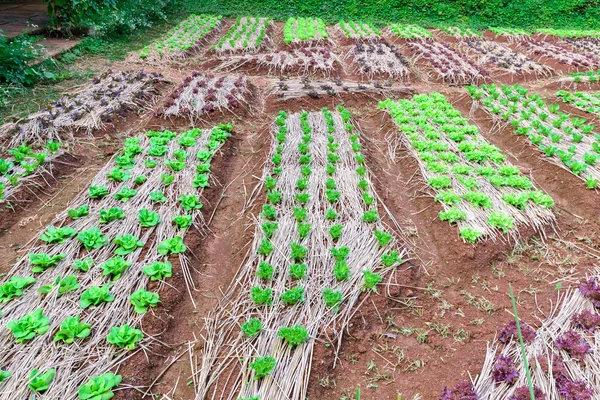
[462,391]
[522,393]
[570,389]
[509,332]
[591,290]
[586,320]
[504,370]
[574,344]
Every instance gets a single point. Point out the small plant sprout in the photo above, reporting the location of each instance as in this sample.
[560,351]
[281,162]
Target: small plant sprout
[172,246]
[40,382]
[391,258]
[332,298]
[294,335]
[41,261]
[263,366]
[29,326]
[261,296]
[293,296]
[114,267]
[383,238]
[252,327]
[72,328]
[265,271]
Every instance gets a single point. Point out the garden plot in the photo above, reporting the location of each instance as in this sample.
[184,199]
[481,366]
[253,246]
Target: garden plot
[460,32]
[563,353]
[305,31]
[358,30]
[407,31]
[589,77]
[201,94]
[446,63]
[72,304]
[478,189]
[588,102]
[181,41]
[108,95]
[246,34]
[586,45]
[567,141]
[512,34]
[296,88]
[505,59]
[303,60]
[25,165]
[319,243]
[379,59]
[546,51]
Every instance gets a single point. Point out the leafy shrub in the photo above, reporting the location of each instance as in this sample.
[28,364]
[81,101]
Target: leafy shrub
[124,337]
[28,326]
[143,299]
[158,270]
[294,335]
[16,54]
[72,328]
[263,366]
[99,387]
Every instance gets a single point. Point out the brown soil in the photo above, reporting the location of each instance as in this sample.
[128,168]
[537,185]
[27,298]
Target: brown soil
[426,294]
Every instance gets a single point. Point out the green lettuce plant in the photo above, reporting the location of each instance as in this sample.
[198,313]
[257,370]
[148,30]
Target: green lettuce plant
[298,271]
[65,285]
[148,218]
[40,382]
[252,327]
[124,337]
[299,252]
[14,287]
[72,328]
[83,264]
[293,296]
[42,261]
[261,296]
[92,238]
[57,235]
[127,244]
[111,215]
[158,196]
[370,280]
[98,192]
[263,366]
[143,299]
[182,221]
[28,326]
[99,387]
[114,267]
[125,194]
[158,270]
[265,271]
[332,298]
[95,295]
[76,213]
[294,335]
[190,202]
[171,246]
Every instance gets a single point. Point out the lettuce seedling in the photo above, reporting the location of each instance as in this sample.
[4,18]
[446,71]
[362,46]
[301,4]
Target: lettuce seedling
[304,229]
[95,295]
[143,299]
[298,252]
[92,238]
[370,280]
[172,246]
[57,235]
[332,298]
[293,296]
[203,168]
[76,213]
[175,165]
[118,175]
[500,220]
[263,366]
[140,179]
[439,182]
[294,335]
[28,326]
[182,221]
[469,234]
[114,267]
[124,337]
[39,382]
[330,214]
[98,192]
[270,183]
[83,264]
[370,216]
[298,271]
[336,231]
[332,195]
[269,228]
[478,199]
[252,327]
[14,287]
[204,155]
[158,270]
[42,261]
[300,213]
[167,179]
[453,214]
[111,215]
[4,375]
[72,328]
[383,238]
[147,218]
[158,196]
[393,257]
[125,194]
[269,212]
[516,200]
[126,244]
[190,202]
[65,285]
[200,181]
[261,296]
[265,248]
[274,197]
[265,271]
[340,254]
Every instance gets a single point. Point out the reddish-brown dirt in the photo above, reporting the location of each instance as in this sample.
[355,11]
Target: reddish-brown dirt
[427,327]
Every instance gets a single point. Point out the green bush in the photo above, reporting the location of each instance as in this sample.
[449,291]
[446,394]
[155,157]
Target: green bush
[15,56]
[474,13]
